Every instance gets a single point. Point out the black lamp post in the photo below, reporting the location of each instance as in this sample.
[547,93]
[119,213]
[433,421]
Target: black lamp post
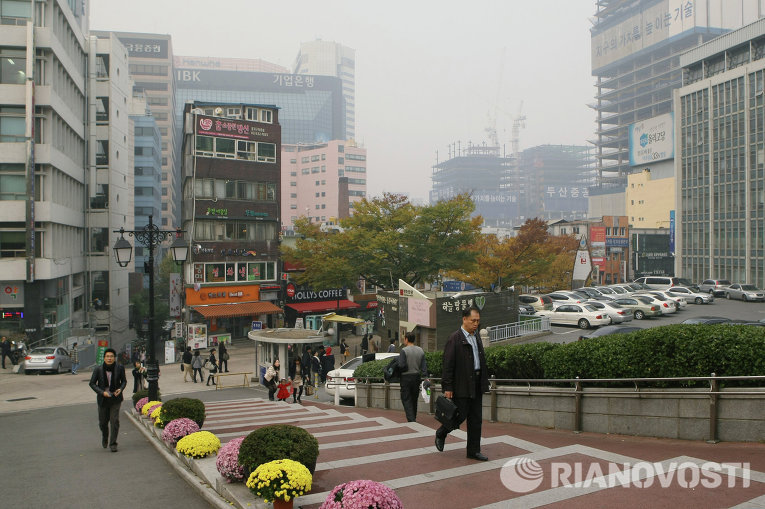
[150,236]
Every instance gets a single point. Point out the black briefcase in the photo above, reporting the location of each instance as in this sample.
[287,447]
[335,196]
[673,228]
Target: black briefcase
[447,412]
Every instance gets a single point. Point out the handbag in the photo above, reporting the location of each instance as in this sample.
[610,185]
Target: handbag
[181,367]
[447,412]
[224,356]
[392,372]
[309,390]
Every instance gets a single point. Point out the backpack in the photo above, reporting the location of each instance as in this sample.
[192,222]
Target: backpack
[392,372]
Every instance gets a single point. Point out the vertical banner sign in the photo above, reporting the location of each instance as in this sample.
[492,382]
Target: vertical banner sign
[102,346]
[672,232]
[175,295]
[582,263]
[169,352]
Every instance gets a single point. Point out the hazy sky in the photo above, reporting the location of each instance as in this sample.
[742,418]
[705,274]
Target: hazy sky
[428,73]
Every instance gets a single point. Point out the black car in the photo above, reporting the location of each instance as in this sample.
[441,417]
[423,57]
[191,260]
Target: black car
[611,329]
[706,320]
[526,309]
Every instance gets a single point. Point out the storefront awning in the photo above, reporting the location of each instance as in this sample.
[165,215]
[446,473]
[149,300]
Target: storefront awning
[239,309]
[323,305]
[332,317]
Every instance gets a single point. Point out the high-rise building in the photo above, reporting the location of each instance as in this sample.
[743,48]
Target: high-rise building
[720,159]
[328,58]
[322,182]
[636,48]
[229,64]
[310,107]
[231,176]
[151,68]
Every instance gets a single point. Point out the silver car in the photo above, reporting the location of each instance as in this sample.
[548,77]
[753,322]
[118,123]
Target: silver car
[744,292]
[617,313]
[716,287]
[48,358]
[691,296]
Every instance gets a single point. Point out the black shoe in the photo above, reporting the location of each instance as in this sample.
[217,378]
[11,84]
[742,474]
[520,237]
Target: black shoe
[477,456]
[104,442]
[440,443]
[208,384]
[113,447]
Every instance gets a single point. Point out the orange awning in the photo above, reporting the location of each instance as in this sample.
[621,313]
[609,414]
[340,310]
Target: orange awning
[239,309]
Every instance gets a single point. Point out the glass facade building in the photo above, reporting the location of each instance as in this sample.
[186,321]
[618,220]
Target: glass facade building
[148,185]
[721,163]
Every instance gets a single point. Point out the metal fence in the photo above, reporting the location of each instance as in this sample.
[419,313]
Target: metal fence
[518,329]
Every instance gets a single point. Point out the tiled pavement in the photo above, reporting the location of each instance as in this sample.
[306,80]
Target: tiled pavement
[376,444]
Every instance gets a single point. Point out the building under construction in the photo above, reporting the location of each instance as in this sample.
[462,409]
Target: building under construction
[636,48]
[548,181]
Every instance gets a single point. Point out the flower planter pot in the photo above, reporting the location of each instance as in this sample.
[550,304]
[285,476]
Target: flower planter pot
[281,504]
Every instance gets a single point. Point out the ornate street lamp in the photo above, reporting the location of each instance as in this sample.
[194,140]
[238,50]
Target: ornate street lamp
[150,236]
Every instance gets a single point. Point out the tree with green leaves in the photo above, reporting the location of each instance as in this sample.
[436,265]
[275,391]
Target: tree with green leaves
[387,239]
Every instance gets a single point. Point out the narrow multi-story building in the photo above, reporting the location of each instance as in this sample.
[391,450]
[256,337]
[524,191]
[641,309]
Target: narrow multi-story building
[329,58]
[322,182]
[231,188]
[720,159]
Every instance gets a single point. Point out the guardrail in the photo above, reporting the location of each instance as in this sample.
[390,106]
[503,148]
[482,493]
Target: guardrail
[518,329]
[678,402]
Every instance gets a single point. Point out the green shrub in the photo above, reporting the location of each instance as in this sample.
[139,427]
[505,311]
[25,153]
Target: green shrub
[517,361]
[144,393]
[189,408]
[372,369]
[435,362]
[277,442]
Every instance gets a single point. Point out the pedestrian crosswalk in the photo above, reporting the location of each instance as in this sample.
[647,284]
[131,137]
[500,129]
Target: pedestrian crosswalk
[374,444]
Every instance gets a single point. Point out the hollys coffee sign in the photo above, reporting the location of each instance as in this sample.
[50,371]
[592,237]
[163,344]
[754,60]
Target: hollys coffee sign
[295,294]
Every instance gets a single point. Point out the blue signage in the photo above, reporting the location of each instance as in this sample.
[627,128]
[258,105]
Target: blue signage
[617,242]
[672,232]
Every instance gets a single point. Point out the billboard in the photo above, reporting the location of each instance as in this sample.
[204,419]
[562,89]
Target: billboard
[652,140]
[665,20]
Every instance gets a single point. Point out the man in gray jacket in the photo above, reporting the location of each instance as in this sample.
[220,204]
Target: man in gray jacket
[413,366]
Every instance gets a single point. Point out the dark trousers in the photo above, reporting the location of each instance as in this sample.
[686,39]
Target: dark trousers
[109,415]
[296,393]
[271,392]
[9,356]
[201,376]
[223,364]
[211,377]
[471,409]
[410,390]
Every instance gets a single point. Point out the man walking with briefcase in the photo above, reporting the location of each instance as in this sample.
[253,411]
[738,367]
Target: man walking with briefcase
[465,378]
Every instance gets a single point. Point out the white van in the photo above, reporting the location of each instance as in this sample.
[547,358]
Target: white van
[659,282]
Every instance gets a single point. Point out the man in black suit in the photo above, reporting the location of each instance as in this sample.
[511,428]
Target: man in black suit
[108,381]
[464,380]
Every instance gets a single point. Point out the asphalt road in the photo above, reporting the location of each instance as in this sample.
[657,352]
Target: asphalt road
[733,309]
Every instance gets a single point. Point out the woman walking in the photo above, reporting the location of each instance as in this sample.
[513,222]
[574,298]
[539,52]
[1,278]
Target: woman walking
[196,365]
[139,372]
[296,374]
[213,368]
[272,377]
[223,357]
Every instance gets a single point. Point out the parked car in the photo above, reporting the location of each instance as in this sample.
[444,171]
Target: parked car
[621,290]
[641,307]
[48,358]
[744,292]
[605,290]
[526,309]
[706,320]
[536,301]
[342,378]
[691,296]
[561,297]
[680,303]
[666,306]
[615,312]
[688,284]
[582,315]
[658,282]
[716,287]
[610,329]
[592,294]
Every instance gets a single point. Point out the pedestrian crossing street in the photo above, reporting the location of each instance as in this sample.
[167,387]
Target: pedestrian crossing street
[368,444]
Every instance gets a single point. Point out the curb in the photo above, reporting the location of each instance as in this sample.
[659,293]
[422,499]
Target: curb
[197,472]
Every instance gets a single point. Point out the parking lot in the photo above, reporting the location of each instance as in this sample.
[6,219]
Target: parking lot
[733,309]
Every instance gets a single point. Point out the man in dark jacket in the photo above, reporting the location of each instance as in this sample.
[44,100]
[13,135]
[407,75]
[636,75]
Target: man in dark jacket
[306,362]
[464,380]
[108,381]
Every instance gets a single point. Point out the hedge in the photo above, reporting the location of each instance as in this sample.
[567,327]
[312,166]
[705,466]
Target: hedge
[659,352]
[278,442]
[178,408]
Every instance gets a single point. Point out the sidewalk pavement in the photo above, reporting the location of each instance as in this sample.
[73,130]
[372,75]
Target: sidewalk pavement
[356,443]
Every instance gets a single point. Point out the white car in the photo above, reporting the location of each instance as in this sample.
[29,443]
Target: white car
[342,377]
[562,297]
[666,305]
[582,315]
[615,312]
[691,296]
[679,301]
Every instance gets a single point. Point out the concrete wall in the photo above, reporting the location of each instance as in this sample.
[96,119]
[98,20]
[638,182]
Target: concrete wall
[740,417]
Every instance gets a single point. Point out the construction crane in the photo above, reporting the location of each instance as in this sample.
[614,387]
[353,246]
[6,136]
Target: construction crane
[491,129]
[519,122]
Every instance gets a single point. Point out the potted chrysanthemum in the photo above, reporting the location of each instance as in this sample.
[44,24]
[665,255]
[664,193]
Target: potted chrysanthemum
[280,481]
[363,493]
[227,462]
[179,428]
[198,445]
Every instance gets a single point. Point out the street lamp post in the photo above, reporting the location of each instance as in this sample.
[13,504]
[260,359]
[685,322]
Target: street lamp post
[150,236]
